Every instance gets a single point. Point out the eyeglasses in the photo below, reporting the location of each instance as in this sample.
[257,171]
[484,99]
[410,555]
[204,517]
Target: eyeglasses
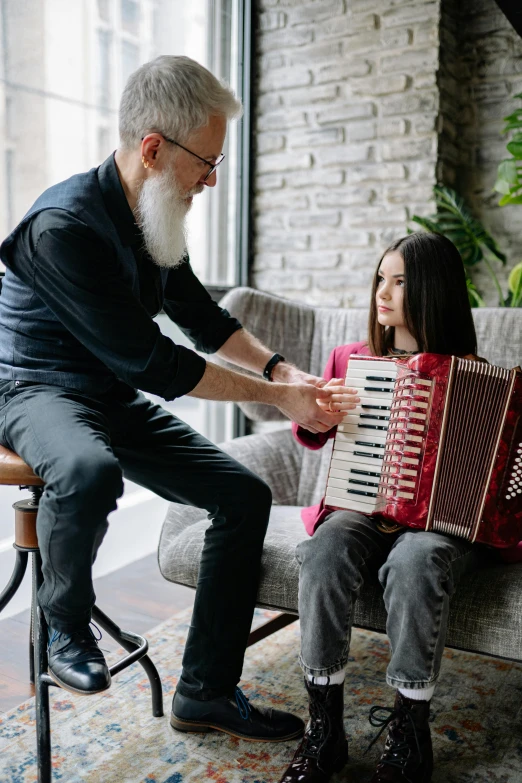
[212,166]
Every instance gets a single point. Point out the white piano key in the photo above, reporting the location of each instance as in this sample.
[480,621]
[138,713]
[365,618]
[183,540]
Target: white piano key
[344,465]
[382,400]
[343,494]
[351,505]
[347,456]
[349,433]
[367,387]
[371,364]
[351,449]
[383,372]
[340,474]
[377,417]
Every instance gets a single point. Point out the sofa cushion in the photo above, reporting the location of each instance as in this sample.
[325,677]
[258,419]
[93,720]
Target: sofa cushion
[486,612]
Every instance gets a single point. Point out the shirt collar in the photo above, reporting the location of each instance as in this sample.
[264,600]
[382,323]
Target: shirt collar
[116,203]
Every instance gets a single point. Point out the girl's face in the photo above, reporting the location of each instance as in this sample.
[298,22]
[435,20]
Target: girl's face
[389,295]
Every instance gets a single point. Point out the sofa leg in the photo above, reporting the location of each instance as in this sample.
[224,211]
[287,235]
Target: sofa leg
[267,629]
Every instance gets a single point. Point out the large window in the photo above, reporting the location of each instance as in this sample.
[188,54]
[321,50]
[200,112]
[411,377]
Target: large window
[63,66]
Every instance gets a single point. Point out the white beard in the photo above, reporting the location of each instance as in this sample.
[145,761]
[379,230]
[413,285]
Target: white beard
[161,215]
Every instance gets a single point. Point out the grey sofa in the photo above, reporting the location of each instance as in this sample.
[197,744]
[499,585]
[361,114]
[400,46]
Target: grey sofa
[486,612]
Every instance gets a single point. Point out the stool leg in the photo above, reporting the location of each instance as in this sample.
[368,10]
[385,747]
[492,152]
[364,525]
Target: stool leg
[110,627]
[16,578]
[31,647]
[43,725]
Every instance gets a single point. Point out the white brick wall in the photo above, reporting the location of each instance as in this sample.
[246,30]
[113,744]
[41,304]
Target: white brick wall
[361,106]
[346,110]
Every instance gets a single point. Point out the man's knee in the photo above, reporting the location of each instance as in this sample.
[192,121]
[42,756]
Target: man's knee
[250,488]
[91,477]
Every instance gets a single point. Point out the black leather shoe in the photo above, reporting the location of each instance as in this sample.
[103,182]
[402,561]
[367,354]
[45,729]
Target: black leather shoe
[76,663]
[408,754]
[324,747]
[236,716]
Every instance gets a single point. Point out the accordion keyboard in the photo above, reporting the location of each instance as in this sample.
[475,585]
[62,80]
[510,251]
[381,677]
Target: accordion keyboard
[357,457]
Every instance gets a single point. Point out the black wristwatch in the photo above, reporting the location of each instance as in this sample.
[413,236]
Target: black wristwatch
[267,372]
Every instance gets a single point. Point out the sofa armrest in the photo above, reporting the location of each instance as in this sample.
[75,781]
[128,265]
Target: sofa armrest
[275,457]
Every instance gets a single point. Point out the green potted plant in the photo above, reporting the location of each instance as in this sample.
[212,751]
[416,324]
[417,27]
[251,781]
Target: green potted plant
[474,243]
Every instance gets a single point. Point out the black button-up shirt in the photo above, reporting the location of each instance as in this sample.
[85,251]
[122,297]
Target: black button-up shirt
[75,274]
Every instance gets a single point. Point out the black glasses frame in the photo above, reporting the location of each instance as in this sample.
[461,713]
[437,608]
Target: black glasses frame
[212,166]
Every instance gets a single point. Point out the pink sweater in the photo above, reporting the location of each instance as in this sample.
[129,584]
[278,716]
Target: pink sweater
[313,516]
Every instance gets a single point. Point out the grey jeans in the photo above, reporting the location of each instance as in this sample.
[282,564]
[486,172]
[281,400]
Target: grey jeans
[418,570]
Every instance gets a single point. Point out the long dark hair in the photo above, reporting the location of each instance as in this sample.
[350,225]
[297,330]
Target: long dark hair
[436,307]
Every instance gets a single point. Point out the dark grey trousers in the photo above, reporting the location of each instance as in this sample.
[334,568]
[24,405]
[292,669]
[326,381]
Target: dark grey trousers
[81,446]
[418,571]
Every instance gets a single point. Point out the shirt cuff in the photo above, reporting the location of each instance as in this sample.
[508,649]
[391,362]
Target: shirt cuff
[217,332]
[191,368]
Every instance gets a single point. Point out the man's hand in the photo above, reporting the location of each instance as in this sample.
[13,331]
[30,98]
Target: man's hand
[309,406]
[343,398]
[284,372]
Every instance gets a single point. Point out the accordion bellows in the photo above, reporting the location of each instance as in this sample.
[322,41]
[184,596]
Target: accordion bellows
[435,444]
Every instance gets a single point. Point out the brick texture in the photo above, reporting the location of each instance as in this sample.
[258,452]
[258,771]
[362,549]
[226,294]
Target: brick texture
[361,106]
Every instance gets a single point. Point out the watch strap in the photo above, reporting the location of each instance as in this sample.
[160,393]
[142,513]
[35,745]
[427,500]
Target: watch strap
[267,372]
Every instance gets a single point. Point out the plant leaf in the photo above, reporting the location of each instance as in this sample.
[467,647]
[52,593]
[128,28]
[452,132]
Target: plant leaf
[515,147]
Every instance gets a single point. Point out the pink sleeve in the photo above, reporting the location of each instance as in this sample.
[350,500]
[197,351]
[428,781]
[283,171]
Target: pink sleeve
[316,440]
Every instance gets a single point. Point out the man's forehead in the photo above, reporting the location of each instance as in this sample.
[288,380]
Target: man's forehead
[209,138]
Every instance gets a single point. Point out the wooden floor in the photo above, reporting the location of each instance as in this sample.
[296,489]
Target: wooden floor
[137,597]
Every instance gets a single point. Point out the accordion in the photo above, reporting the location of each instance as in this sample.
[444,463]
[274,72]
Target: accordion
[435,444]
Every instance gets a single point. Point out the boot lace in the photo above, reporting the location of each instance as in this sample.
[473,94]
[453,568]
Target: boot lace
[399,753]
[318,734]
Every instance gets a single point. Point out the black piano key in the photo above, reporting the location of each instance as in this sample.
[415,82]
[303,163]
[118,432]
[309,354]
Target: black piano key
[365,472]
[376,407]
[365,454]
[379,378]
[361,492]
[377,389]
[363,483]
[372,427]
[369,445]
[373,416]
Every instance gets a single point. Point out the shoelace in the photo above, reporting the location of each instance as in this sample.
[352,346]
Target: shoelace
[316,738]
[243,704]
[70,636]
[399,755]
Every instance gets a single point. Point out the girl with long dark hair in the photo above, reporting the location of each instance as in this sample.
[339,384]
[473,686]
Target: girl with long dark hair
[419,303]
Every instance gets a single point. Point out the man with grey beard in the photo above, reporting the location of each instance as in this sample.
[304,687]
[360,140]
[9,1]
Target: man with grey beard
[94,259]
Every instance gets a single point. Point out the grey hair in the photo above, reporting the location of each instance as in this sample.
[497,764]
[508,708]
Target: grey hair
[173,95]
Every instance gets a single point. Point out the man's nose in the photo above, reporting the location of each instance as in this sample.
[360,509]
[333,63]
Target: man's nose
[211,181]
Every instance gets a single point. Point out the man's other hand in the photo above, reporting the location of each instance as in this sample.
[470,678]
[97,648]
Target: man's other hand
[309,406]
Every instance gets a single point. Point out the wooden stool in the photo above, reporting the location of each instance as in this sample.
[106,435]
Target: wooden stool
[13,471]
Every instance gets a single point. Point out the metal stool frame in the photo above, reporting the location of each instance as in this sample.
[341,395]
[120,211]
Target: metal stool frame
[137,646]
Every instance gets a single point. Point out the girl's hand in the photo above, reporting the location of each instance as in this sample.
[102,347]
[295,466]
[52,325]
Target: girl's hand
[343,398]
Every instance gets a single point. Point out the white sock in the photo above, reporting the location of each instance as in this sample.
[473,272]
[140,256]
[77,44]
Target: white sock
[419,694]
[332,679]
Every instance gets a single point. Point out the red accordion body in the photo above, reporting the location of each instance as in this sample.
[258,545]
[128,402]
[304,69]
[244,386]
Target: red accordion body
[436,445]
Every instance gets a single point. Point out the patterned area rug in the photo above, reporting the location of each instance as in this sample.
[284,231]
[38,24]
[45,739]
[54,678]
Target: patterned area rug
[113,738]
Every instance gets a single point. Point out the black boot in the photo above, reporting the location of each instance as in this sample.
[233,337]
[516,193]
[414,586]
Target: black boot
[76,662]
[324,747]
[408,754]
